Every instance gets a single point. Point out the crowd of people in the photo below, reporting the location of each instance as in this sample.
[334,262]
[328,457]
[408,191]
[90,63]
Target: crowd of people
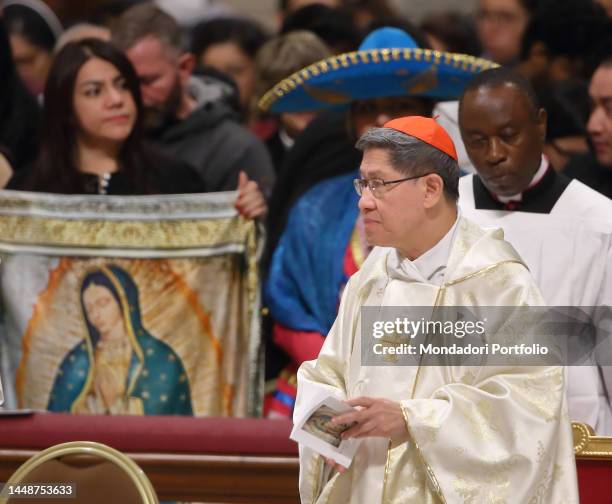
[142,100]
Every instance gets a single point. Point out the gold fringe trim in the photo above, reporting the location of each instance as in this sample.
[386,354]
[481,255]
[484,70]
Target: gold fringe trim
[180,233]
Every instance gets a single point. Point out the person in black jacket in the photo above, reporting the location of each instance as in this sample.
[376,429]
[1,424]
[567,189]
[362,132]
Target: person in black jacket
[184,117]
[19,112]
[92,136]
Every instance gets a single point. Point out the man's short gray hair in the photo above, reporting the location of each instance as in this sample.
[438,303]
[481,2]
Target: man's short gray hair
[412,156]
[145,20]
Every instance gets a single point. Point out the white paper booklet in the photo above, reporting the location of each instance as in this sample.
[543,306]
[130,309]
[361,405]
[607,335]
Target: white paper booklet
[315,431]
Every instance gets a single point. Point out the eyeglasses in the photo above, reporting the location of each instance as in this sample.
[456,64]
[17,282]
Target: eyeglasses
[378,186]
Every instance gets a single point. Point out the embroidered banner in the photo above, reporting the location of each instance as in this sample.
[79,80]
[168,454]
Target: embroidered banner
[129,305]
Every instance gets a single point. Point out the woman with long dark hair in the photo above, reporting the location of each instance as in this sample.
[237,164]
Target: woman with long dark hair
[92,135]
[91,139]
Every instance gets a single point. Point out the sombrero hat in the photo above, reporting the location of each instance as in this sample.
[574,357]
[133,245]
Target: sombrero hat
[388,63]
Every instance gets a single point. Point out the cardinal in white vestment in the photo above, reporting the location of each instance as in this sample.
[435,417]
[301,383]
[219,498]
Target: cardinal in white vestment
[561,228]
[433,433]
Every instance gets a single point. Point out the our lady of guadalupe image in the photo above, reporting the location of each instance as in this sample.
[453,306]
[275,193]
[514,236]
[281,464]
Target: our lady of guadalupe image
[120,367]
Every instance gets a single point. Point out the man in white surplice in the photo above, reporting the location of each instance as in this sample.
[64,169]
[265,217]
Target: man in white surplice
[561,228]
[433,433]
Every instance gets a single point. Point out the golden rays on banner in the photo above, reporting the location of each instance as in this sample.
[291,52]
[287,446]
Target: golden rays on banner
[130,327]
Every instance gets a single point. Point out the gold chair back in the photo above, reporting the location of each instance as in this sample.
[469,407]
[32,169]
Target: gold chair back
[99,475]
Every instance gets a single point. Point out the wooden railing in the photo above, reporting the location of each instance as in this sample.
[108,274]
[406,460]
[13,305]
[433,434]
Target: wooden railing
[186,459]
[225,460]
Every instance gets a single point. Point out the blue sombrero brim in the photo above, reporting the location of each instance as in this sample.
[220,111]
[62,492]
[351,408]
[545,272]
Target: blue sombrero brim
[374,73]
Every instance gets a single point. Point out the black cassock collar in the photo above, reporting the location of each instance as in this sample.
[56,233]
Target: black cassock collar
[540,198]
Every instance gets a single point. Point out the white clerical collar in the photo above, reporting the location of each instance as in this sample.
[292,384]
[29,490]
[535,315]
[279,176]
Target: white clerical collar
[431,265]
[539,175]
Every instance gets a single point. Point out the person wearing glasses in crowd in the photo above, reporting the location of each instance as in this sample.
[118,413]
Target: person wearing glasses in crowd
[323,242]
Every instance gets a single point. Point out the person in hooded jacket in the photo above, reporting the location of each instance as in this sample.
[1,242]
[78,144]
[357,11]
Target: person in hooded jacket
[184,116]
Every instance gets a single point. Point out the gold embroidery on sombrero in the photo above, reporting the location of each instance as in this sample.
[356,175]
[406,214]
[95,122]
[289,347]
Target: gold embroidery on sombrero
[327,95]
[463,62]
[422,82]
